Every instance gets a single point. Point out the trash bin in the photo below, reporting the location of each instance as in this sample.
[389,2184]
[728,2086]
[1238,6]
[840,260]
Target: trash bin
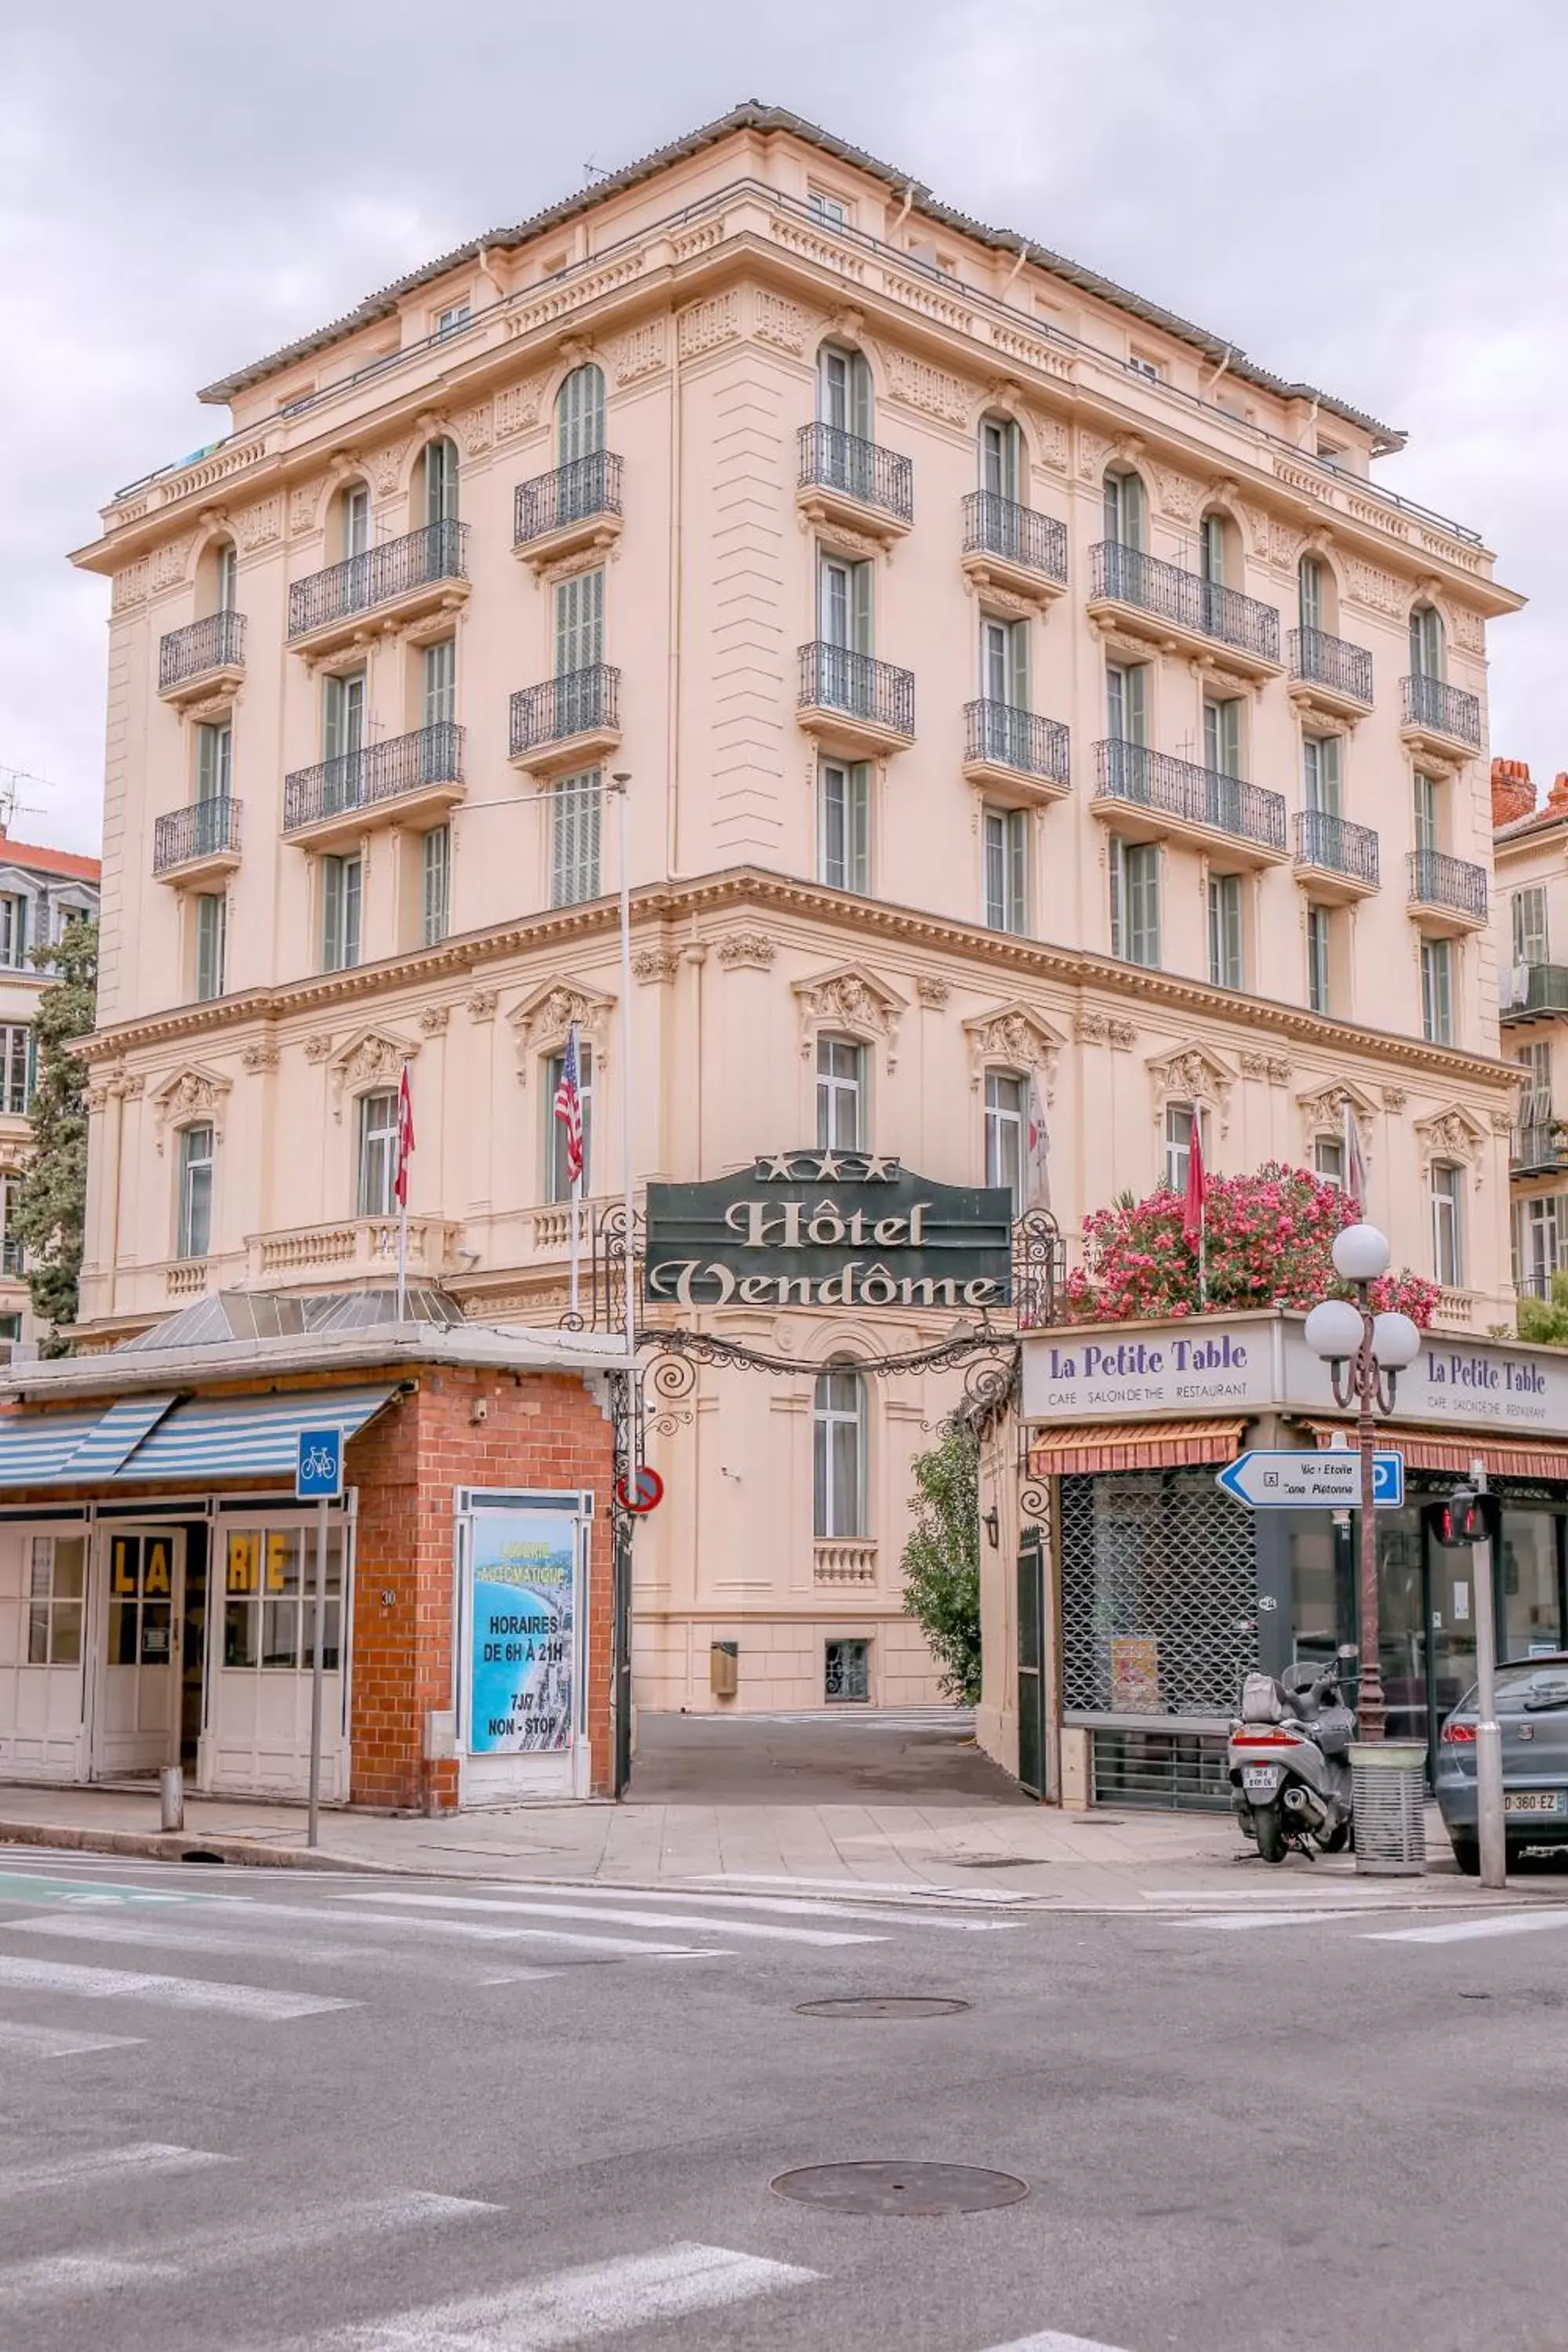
[724,1668]
[1388,1792]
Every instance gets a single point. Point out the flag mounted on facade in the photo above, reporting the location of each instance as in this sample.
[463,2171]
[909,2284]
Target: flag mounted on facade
[569,1108]
[404,1140]
[1355,1166]
[1037,1151]
[1192,1199]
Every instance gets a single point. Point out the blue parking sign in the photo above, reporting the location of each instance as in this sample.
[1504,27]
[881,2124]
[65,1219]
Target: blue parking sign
[319,1472]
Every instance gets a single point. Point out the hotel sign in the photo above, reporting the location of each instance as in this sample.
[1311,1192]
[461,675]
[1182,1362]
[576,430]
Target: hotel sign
[816,1228]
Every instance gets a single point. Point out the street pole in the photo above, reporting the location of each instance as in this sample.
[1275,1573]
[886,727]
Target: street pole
[1489,1824]
[1371,1713]
[618,786]
[318,1673]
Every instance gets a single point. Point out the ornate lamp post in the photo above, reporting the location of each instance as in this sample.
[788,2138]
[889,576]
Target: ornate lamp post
[1365,1354]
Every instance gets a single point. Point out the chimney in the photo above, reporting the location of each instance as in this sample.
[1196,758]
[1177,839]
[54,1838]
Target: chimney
[1513,794]
[1557,798]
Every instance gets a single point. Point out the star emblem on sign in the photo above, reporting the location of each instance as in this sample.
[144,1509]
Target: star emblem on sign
[829,1169]
[880,1170]
[775,1166]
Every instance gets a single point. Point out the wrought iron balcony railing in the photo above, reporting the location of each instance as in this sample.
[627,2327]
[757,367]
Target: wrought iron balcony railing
[833,678]
[831,460]
[216,643]
[208,828]
[575,492]
[1009,738]
[1125,575]
[1540,1141]
[1533,988]
[1440,880]
[1319,659]
[1537,1284]
[996,526]
[1446,709]
[1336,845]
[1176,788]
[381,772]
[439,551]
[580,702]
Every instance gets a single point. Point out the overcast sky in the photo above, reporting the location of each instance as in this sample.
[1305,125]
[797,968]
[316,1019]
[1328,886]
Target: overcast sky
[1368,194]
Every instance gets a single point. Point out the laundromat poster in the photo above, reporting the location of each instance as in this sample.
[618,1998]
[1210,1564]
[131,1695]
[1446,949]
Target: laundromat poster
[522,1633]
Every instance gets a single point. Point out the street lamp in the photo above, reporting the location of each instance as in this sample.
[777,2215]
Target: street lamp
[1365,1354]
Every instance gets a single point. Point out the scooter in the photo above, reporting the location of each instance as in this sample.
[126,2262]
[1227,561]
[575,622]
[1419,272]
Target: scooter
[1290,1762]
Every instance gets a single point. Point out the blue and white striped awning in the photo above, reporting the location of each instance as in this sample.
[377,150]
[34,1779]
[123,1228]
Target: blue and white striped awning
[155,1437]
[34,1447]
[109,1446]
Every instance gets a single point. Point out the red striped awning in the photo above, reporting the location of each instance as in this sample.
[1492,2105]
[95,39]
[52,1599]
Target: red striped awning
[1130,1446]
[1429,1449]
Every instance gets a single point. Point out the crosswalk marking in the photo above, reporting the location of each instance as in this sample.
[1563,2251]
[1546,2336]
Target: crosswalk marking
[962,1897]
[476,1930]
[177,1935]
[807,1907]
[56,2041]
[571,2307]
[629,1918]
[1461,1931]
[1239,1922]
[1053,2341]
[94,2164]
[29,1887]
[174,1992]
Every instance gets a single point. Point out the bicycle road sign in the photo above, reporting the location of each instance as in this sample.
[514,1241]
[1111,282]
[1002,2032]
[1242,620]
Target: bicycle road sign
[319,1470]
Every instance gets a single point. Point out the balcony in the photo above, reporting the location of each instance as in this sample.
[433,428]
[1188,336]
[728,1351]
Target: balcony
[571,721]
[854,705]
[206,659]
[1538,1146]
[1149,796]
[1009,546]
[355,1248]
[844,1560]
[1537,1284]
[1014,754]
[847,480]
[402,580]
[410,779]
[1534,990]
[1446,894]
[574,507]
[1336,859]
[197,844]
[1438,717]
[1178,611]
[1327,674]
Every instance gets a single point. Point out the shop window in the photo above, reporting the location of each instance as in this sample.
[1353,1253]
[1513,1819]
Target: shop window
[841,1123]
[269,1599]
[140,1600]
[838,1430]
[56,1588]
[847,1673]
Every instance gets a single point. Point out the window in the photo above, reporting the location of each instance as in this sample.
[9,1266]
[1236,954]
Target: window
[838,1419]
[557,1183]
[211,942]
[1006,1108]
[580,414]
[843,603]
[1211,549]
[440,481]
[226,575]
[1005,663]
[1428,812]
[1180,1120]
[354,515]
[1124,510]
[1318,942]
[438,683]
[843,825]
[18,1067]
[1309,606]
[141,1607]
[1528,914]
[215,763]
[13,931]
[840,1094]
[1225,970]
[576,807]
[1448,1225]
[448,321]
[195,1236]
[436,885]
[269,1598]
[10,1326]
[1001,471]
[847,1674]
[343,741]
[1149,370]
[1222,737]
[1425,642]
[823,205]
[1007,869]
[1437,991]
[1329,1160]
[1135,901]
[340,892]
[377,1151]
[1321,773]
[13,1254]
[844,391]
[1127,702]
[56,1596]
[579,625]
[1537,1242]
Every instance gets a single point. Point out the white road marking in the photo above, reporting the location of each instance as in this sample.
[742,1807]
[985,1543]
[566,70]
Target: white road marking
[809,1907]
[476,1930]
[575,2306]
[56,2041]
[57,2278]
[1053,2341]
[1239,1921]
[626,1919]
[1460,1931]
[93,2164]
[977,1895]
[176,1936]
[174,1992]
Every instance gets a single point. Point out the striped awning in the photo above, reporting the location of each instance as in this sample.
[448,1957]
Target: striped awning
[1130,1446]
[1431,1449]
[116,1437]
[153,1437]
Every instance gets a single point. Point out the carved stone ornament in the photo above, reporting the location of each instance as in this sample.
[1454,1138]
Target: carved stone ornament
[1394,1099]
[1267,1067]
[915,383]
[542,1021]
[1323,1109]
[190,1094]
[517,406]
[933,993]
[1053,442]
[639,352]
[1378,591]
[371,1057]
[433,1021]
[1502,1122]
[1093,449]
[260,1058]
[1178,495]
[840,540]
[747,951]
[475,428]
[1018,1037]
[169,561]
[1468,629]
[384,467]
[1454,1134]
[318,1048]
[708,324]
[1193,1075]
[305,501]
[482,1004]
[853,1000]
[654,966]
[782,323]
[1286,545]
[128,588]
[259,525]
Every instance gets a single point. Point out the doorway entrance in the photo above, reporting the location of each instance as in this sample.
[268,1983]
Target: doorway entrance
[137,1647]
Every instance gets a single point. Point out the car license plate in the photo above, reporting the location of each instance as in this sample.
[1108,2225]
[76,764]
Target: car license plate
[1533,1801]
[1264,1777]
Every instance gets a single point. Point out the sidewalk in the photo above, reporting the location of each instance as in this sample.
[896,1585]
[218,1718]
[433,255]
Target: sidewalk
[1019,1855]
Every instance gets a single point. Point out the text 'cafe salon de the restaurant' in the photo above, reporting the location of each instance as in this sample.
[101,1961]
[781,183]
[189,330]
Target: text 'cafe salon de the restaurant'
[1164,1592]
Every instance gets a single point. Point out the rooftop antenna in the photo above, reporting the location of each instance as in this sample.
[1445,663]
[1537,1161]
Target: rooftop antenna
[592,171]
[12,804]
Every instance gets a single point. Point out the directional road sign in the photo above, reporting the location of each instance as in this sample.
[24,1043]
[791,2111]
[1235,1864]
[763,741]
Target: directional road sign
[1275,1478]
[319,1472]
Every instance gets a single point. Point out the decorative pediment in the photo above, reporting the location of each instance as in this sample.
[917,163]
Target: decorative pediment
[1455,1133]
[1019,1036]
[853,1000]
[1192,1074]
[371,1057]
[187,1095]
[541,1022]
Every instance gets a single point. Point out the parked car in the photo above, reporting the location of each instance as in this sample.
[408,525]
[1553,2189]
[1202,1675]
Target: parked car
[1532,1709]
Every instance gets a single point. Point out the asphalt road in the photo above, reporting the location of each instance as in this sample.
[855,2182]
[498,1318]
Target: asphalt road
[263,2113]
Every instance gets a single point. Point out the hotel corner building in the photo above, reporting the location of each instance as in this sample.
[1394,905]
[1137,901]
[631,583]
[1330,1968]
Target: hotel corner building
[1530,850]
[1014,682]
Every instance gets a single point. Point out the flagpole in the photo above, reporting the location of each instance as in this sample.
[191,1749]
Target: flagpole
[576,1232]
[1202,1242]
[619,784]
[402,1211]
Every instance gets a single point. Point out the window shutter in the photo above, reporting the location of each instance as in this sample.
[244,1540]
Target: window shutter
[354,875]
[332,914]
[440,682]
[1230,721]
[857,863]
[1118,896]
[1131,511]
[206,762]
[862,577]
[1018,869]
[580,414]
[438,842]
[1310,593]
[1018,665]
[994,661]
[996,870]
[860,396]
[1331,784]
[1137,709]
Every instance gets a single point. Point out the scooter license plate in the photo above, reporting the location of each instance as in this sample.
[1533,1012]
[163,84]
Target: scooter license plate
[1264,1778]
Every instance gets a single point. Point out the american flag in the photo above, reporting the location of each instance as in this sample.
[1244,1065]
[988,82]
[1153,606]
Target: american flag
[569,1108]
[404,1140]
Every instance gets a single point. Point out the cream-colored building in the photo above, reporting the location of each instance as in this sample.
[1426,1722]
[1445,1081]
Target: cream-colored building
[1530,913]
[1014,680]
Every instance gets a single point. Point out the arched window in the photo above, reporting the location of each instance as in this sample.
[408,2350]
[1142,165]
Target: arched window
[440,481]
[580,414]
[1425,642]
[353,520]
[1001,458]
[223,575]
[838,1453]
[844,391]
[1316,597]
[1126,510]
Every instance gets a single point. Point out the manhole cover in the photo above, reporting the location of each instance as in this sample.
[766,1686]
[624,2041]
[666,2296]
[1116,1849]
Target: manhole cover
[916,2191]
[887,2004]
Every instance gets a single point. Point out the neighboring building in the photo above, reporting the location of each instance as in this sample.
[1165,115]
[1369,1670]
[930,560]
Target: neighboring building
[1531,849]
[1016,683]
[41,890]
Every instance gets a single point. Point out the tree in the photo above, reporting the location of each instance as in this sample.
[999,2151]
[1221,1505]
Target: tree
[1268,1242]
[941,1559]
[50,1205]
[1545,1321]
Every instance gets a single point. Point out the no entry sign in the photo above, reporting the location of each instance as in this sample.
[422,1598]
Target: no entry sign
[643,1491]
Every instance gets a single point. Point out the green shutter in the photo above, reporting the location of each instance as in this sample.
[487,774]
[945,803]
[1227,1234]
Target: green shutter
[862,577]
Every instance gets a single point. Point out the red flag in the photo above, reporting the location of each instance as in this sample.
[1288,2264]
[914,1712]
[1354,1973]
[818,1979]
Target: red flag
[1193,1201]
[405,1140]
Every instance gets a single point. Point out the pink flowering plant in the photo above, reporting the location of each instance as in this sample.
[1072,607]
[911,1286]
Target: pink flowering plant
[1268,1240]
